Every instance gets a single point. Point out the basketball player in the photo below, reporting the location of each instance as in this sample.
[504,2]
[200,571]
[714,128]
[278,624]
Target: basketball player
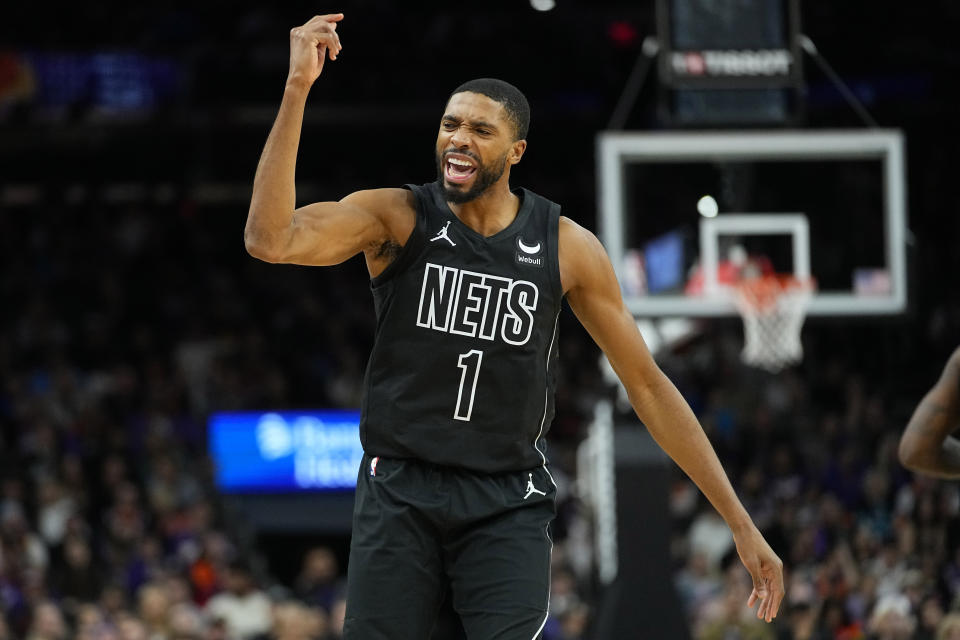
[926,445]
[467,278]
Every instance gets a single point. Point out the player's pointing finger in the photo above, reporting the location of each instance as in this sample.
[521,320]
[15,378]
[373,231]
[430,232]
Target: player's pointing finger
[332,18]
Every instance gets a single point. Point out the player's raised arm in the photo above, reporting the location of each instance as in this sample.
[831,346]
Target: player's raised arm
[594,295]
[926,445]
[322,233]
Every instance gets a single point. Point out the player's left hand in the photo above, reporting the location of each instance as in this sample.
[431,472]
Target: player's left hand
[765,568]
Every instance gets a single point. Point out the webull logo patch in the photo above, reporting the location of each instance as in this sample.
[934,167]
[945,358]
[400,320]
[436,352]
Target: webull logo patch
[527,253]
[529,260]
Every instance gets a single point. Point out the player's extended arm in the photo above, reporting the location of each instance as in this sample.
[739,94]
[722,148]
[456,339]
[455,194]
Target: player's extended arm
[594,295]
[322,233]
[926,445]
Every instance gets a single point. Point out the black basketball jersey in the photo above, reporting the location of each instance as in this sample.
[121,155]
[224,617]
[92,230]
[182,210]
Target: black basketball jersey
[463,369]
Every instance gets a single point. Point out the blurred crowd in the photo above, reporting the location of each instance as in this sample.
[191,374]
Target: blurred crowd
[122,326]
[871,550]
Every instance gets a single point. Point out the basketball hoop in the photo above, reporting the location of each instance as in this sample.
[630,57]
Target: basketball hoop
[773,308]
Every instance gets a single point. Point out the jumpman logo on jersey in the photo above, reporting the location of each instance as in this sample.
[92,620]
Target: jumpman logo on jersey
[532,489]
[443,235]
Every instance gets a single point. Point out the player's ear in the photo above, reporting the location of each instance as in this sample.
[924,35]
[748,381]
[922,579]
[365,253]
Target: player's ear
[516,151]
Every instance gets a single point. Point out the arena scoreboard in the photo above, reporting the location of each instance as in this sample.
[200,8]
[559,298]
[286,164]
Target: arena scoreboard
[729,61]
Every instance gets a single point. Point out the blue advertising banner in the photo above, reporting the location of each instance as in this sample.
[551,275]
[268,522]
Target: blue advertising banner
[285,451]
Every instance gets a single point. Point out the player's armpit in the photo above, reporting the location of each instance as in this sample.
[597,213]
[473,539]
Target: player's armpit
[327,233]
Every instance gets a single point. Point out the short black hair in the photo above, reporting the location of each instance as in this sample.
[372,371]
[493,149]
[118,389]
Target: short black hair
[512,99]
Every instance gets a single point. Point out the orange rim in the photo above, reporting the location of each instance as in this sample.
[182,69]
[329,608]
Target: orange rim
[762,292]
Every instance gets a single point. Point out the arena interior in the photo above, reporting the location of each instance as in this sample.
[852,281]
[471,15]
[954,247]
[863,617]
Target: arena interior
[133,323]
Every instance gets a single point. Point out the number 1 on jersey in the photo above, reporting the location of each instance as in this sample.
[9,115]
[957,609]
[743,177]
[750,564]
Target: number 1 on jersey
[469,364]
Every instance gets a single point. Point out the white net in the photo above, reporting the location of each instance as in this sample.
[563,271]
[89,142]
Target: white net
[773,310]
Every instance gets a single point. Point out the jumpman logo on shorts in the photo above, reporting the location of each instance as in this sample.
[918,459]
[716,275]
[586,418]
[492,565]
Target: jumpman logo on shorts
[532,489]
[443,235]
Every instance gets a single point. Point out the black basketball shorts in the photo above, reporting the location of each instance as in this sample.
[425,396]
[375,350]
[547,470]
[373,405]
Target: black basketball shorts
[420,530]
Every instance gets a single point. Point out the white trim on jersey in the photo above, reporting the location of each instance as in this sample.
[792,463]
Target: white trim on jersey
[546,402]
[544,623]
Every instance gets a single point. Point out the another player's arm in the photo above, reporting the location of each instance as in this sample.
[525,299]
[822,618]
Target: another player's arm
[926,445]
[322,233]
[594,295]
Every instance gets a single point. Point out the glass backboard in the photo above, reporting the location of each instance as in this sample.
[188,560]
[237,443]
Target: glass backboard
[681,212]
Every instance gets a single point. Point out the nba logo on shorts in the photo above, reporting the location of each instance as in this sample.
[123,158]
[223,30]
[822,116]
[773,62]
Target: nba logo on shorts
[373,466]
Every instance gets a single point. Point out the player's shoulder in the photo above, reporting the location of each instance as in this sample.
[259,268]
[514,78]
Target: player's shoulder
[580,253]
[575,238]
[954,360]
[394,208]
[382,201]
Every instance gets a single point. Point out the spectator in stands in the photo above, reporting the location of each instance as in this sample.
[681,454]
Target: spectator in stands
[949,627]
[76,578]
[186,622]
[891,619]
[319,581]
[47,623]
[294,621]
[931,616]
[154,609]
[244,609]
[728,617]
[801,623]
[130,627]
[56,506]
[696,581]
[88,622]
[20,546]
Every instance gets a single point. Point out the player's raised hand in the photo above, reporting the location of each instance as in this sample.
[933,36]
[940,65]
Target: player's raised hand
[310,44]
[766,570]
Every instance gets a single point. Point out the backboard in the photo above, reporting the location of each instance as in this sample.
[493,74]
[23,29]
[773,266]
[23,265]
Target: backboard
[826,203]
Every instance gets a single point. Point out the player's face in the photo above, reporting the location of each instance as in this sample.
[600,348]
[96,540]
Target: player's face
[473,146]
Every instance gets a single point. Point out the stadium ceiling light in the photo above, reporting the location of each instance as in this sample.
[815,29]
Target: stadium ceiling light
[707,207]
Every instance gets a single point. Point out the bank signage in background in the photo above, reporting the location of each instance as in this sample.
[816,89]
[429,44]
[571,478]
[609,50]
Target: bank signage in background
[289,451]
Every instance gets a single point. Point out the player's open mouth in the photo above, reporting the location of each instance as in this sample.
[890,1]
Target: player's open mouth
[458,168]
